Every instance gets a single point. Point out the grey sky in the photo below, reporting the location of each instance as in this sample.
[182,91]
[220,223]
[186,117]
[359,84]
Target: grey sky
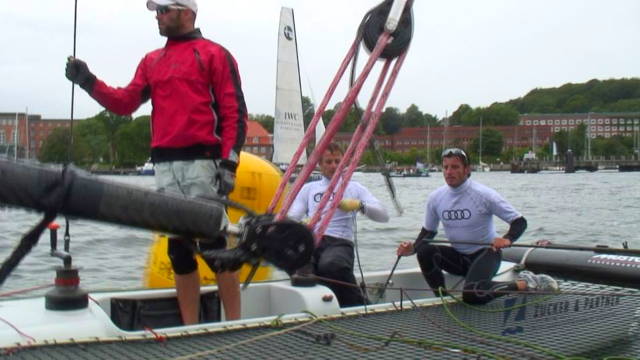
[463,51]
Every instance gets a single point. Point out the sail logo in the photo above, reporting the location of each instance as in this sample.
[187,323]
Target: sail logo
[288,32]
[290,116]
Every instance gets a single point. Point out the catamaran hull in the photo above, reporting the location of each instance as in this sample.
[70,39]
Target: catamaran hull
[588,266]
[569,323]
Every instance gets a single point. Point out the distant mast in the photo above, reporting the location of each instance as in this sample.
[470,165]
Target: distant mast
[288,127]
[480,147]
[15,139]
[26,117]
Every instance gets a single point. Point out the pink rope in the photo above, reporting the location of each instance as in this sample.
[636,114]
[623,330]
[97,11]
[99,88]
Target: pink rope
[20,291]
[361,145]
[333,126]
[311,128]
[347,159]
[31,338]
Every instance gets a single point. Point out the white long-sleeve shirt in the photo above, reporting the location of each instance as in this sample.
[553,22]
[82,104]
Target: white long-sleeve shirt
[466,213]
[341,225]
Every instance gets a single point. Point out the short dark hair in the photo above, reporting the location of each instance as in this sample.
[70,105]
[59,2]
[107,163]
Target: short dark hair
[334,148]
[456,152]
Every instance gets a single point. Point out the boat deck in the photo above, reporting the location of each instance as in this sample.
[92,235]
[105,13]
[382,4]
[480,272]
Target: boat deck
[586,319]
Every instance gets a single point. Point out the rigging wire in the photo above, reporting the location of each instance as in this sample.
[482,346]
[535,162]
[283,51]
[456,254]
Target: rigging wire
[67,235]
[359,112]
[363,285]
[73,85]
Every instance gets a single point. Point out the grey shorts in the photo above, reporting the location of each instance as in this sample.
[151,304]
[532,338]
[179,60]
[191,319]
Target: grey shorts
[192,178]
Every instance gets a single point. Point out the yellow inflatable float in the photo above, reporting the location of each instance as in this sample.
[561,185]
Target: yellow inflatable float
[256,183]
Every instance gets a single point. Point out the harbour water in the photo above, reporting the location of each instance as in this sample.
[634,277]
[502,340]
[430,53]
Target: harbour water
[578,209]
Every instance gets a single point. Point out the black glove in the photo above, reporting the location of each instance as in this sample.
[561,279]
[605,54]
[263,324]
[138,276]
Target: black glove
[226,177]
[78,72]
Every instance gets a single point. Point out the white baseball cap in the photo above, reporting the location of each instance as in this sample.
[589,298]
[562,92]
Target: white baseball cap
[154,4]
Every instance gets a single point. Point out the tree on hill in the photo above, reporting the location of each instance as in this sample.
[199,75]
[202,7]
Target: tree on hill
[613,95]
[413,117]
[111,122]
[492,143]
[496,114]
[391,120]
[461,111]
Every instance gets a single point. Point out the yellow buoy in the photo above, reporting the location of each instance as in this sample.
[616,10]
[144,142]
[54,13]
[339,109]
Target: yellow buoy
[256,183]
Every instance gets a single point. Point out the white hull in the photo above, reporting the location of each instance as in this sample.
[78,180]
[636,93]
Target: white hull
[27,322]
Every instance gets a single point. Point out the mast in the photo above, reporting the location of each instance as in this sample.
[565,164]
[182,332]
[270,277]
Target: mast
[428,143]
[15,139]
[26,118]
[588,136]
[444,133]
[480,149]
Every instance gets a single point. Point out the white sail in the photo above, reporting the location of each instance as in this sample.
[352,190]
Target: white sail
[288,127]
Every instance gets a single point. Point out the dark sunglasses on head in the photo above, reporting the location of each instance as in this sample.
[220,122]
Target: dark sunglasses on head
[161,10]
[456,152]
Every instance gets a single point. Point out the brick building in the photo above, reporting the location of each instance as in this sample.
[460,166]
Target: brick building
[460,136]
[25,134]
[533,131]
[599,124]
[258,140]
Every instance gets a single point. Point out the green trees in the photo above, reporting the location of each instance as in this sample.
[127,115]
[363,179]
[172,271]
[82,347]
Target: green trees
[106,139]
[391,120]
[492,142]
[111,123]
[613,95]
[265,120]
[133,141]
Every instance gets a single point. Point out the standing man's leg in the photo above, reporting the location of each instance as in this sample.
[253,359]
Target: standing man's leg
[168,178]
[188,290]
[229,290]
[187,279]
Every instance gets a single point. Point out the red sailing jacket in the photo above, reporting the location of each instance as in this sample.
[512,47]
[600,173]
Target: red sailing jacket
[196,95]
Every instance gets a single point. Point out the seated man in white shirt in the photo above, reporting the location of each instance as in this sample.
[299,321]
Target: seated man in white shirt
[466,209]
[334,257]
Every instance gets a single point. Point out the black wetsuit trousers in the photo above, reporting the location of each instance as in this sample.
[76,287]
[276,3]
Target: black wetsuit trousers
[333,259]
[478,269]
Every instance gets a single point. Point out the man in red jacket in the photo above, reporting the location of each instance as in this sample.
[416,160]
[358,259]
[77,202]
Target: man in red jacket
[198,127]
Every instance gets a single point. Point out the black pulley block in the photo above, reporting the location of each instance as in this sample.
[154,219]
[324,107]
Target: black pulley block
[374,27]
[287,245]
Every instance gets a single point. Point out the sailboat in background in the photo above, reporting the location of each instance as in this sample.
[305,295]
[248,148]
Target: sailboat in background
[482,167]
[288,126]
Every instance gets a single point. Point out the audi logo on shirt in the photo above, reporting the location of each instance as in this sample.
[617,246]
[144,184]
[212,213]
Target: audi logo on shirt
[456,214]
[318,196]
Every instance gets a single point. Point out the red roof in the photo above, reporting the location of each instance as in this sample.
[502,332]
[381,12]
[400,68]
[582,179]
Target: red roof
[254,128]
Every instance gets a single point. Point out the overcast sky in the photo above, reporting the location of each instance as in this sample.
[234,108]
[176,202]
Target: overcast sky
[463,51]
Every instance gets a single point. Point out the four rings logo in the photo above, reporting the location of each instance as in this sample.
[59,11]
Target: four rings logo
[318,196]
[456,214]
